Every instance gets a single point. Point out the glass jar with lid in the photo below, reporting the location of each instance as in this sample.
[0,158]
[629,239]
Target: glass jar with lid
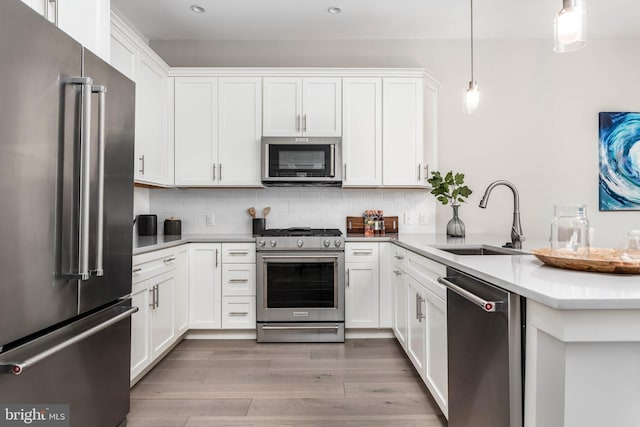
[570,231]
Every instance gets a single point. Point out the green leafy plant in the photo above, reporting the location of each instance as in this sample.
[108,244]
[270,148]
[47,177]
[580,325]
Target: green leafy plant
[450,188]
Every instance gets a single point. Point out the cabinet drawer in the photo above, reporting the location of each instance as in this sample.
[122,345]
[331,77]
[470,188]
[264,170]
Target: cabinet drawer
[152,264]
[398,257]
[239,312]
[238,279]
[238,253]
[361,252]
[426,272]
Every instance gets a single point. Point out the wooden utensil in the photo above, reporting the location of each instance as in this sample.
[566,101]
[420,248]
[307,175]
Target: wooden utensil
[266,211]
[252,212]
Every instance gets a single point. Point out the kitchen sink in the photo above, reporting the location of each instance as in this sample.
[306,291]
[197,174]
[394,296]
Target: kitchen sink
[479,250]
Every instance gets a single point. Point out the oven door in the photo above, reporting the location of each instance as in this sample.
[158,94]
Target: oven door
[300,286]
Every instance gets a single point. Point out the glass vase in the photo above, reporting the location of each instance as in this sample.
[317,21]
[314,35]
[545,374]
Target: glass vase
[455,226]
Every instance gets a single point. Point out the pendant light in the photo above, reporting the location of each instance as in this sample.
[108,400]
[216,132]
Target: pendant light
[472,94]
[570,26]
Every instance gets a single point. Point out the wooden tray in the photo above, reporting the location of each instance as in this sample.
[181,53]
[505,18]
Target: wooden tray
[355,224]
[600,260]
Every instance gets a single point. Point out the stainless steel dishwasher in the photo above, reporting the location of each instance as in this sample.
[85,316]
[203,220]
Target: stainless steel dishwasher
[484,353]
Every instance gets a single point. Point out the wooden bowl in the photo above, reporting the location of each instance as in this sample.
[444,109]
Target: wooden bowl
[600,260]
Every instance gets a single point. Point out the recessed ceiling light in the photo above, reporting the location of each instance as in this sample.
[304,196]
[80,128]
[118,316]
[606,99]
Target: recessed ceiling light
[334,10]
[197,9]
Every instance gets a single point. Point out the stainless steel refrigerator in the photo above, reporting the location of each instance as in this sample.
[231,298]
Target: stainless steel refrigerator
[66,196]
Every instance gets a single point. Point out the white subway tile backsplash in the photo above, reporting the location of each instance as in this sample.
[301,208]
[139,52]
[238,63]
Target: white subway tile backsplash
[290,207]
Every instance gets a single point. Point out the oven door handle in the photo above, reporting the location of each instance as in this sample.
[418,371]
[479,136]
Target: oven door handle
[294,257]
[289,328]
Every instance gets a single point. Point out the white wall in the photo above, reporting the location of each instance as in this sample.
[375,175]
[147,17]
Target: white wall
[536,126]
[290,207]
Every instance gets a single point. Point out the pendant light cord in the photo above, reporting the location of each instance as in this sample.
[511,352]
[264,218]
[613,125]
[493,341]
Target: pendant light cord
[472,41]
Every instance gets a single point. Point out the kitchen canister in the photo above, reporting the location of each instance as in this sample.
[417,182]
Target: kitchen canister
[172,227]
[570,231]
[147,225]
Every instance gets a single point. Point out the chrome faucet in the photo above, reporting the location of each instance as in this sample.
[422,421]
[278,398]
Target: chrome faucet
[516,229]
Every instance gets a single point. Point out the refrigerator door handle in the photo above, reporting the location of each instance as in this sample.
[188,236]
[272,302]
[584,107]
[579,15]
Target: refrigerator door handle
[16,368]
[102,94]
[85,176]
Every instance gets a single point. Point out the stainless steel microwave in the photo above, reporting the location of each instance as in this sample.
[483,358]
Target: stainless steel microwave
[301,161]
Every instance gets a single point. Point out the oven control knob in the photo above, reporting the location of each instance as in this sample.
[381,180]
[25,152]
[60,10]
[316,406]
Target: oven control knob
[338,243]
[273,243]
[326,243]
[299,243]
[262,243]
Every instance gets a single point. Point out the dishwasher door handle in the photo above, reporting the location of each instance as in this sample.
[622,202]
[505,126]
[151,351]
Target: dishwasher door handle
[488,306]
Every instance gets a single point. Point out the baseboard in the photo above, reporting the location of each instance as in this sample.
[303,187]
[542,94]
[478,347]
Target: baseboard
[368,333]
[221,335]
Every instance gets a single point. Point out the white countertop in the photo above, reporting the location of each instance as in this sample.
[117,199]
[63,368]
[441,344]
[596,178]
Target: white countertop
[521,274]
[529,277]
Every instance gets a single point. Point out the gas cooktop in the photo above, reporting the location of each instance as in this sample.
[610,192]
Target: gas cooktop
[302,232]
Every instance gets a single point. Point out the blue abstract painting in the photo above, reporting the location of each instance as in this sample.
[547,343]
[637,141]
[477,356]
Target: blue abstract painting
[619,161]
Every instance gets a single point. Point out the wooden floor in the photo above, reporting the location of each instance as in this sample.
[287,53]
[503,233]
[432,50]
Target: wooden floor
[241,383]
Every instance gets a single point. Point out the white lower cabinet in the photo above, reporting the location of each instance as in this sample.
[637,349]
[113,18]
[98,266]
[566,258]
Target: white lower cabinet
[140,348]
[420,318]
[160,292]
[223,286]
[361,295]
[205,286]
[416,326]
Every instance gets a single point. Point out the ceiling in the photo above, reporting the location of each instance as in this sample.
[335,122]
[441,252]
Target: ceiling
[369,19]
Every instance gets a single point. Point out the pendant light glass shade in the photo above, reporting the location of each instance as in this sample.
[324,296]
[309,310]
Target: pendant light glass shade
[570,27]
[471,98]
[472,94]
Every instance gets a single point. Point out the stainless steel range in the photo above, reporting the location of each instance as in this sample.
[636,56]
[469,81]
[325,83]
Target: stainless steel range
[300,285]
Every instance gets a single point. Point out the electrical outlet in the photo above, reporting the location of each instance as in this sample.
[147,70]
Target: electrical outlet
[407,218]
[423,218]
[210,220]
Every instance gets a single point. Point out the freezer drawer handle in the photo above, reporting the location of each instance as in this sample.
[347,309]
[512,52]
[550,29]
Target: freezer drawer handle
[16,368]
[488,306]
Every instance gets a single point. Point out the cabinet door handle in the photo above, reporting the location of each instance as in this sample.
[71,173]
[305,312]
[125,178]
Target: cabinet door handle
[168,260]
[419,171]
[426,172]
[348,285]
[345,172]
[239,313]
[157,296]
[220,173]
[397,273]
[135,270]
[214,171]
[362,251]
[216,258]
[141,170]
[152,291]
[298,123]
[304,123]
[238,280]
[236,252]
[398,256]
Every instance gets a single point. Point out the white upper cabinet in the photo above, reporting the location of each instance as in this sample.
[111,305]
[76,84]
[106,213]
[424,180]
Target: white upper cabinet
[239,124]
[153,142]
[217,131]
[362,132]
[86,21]
[196,130]
[152,139]
[296,106]
[402,132]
